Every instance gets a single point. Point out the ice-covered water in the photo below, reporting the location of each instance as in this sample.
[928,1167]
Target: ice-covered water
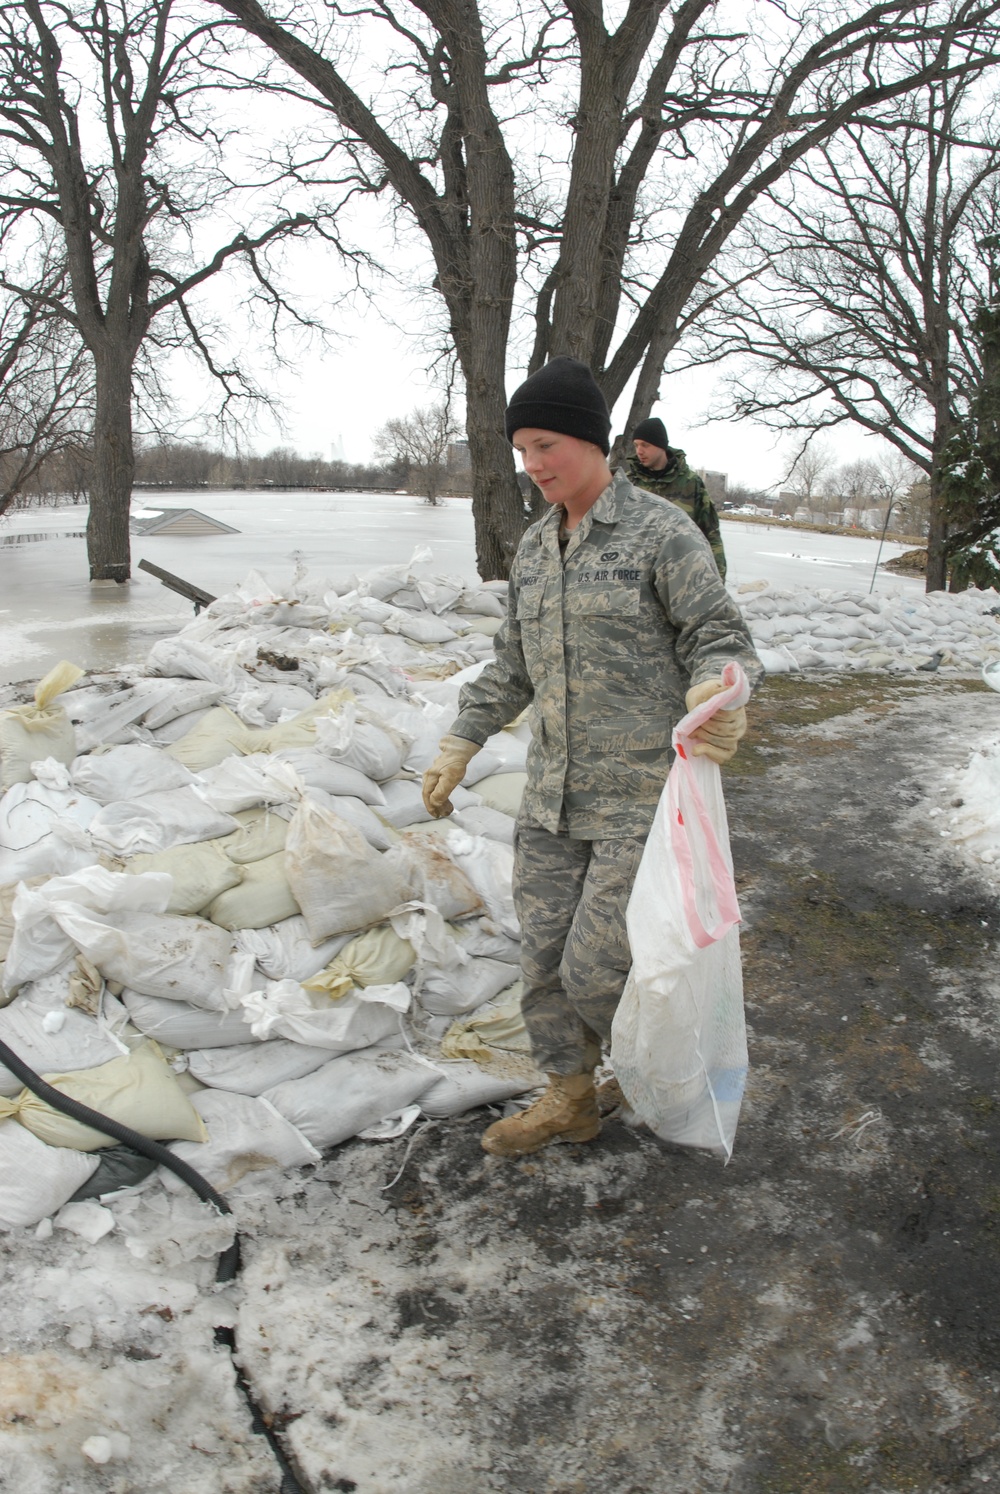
[49,610]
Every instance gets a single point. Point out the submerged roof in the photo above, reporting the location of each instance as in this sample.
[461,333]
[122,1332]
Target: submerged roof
[177,521]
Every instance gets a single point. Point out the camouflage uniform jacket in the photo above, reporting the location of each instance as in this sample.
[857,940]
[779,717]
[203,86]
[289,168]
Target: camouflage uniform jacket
[685,488]
[602,642]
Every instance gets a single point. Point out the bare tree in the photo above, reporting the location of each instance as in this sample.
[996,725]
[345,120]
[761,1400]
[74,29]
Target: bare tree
[46,391]
[108,136]
[420,441]
[616,160]
[809,475]
[865,311]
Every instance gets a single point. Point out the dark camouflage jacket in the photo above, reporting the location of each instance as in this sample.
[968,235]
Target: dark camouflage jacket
[685,488]
[602,642]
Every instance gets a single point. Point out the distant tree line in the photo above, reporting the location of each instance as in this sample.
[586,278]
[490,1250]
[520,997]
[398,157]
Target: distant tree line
[172,464]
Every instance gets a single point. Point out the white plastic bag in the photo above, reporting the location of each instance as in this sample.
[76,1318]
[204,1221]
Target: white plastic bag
[678,1040]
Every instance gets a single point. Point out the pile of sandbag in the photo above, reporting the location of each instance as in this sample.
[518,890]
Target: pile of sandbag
[847,630]
[225,917]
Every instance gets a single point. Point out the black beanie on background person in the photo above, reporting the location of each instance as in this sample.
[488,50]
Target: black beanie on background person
[653,432]
[562,396]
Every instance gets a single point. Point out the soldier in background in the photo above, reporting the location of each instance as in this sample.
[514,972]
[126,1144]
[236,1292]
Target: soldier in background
[617,624]
[663,470]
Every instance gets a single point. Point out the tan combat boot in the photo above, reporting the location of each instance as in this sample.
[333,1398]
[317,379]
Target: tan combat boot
[567,1111]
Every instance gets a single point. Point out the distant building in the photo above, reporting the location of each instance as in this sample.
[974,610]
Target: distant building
[716,483]
[177,521]
[459,459]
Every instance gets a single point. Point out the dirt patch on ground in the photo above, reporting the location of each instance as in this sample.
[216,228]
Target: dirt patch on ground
[626,1317]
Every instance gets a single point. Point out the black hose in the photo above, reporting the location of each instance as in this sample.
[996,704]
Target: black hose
[229,1259]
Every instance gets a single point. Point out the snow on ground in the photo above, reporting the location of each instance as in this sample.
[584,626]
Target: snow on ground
[112,1382]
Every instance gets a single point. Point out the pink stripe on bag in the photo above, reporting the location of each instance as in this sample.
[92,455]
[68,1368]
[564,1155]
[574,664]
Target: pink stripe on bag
[681,777]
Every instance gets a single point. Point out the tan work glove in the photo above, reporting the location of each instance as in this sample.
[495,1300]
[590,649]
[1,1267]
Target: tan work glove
[717,738]
[445,773]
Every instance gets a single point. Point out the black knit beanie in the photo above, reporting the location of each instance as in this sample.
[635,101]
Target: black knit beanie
[652,431]
[562,396]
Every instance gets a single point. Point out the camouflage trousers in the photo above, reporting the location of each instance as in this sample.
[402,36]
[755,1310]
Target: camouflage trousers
[571,897]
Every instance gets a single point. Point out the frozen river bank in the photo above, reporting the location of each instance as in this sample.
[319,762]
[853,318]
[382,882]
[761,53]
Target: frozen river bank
[49,610]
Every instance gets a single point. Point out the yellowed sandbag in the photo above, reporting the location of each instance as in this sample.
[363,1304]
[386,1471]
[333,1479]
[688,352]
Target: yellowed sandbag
[215,737]
[30,732]
[263,897]
[497,1025]
[138,1089]
[201,872]
[220,734]
[502,791]
[378,957]
[263,834]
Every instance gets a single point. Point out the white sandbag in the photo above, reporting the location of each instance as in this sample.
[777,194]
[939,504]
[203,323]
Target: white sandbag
[511,749]
[153,822]
[37,1179]
[31,811]
[349,1093]
[250,1068]
[465,1085]
[183,959]
[41,942]
[181,698]
[274,701]
[430,875]
[376,751]
[40,730]
[502,791]
[450,991]
[249,783]
[127,772]
[199,874]
[190,659]
[480,936]
[177,1024]
[422,628]
[50,1036]
[338,880]
[317,770]
[355,1021]
[264,896]
[480,819]
[478,601]
[66,849]
[244,1135]
[404,803]
[8,892]
[489,866]
[284,951]
[360,815]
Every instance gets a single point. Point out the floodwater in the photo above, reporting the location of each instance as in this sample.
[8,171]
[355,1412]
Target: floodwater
[50,611]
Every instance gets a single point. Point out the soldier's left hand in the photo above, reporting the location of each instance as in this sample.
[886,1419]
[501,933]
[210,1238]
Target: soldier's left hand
[719,737]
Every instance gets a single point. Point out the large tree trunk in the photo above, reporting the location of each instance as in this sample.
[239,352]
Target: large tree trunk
[108,549]
[497,506]
[937,535]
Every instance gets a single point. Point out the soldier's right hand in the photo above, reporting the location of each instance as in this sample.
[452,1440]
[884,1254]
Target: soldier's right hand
[445,773]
